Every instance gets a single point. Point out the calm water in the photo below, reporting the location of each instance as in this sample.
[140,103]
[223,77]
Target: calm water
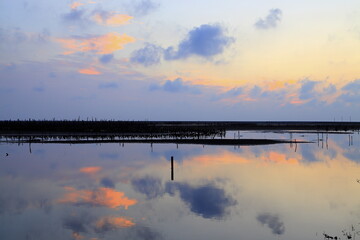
[111,191]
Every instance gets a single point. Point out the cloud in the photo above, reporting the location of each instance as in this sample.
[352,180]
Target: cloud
[149,186]
[111,18]
[255,92]
[352,154]
[75,15]
[273,222]
[207,201]
[234,92]
[301,92]
[175,86]
[77,236]
[77,223]
[106,58]
[271,20]
[245,93]
[106,224]
[278,157]
[331,89]
[147,56]
[144,233]
[107,182]
[353,86]
[307,89]
[110,85]
[103,44]
[101,197]
[309,154]
[85,223]
[350,98]
[75,5]
[106,18]
[351,92]
[89,71]
[140,8]
[205,41]
[180,156]
[90,170]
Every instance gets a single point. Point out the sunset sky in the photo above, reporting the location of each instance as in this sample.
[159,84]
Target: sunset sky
[180,60]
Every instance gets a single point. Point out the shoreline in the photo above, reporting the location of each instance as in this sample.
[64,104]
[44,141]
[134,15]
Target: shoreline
[191,128]
[218,142]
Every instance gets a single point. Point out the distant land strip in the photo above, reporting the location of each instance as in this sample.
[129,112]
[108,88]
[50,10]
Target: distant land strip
[165,127]
[228,142]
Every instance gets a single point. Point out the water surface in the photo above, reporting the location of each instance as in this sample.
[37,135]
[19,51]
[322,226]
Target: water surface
[116,191]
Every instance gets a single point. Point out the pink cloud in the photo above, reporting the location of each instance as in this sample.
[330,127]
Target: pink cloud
[75,5]
[89,71]
[111,19]
[101,197]
[114,222]
[90,170]
[104,44]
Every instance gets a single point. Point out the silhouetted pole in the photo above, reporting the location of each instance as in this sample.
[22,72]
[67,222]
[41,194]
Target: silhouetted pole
[172,168]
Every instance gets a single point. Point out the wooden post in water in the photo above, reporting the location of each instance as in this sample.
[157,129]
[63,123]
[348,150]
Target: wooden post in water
[172,168]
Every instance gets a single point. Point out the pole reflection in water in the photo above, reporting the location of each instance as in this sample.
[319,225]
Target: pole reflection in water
[301,191]
[172,168]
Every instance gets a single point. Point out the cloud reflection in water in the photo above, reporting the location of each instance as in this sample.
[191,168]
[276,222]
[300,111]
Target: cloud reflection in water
[101,197]
[314,180]
[207,201]
[273,222]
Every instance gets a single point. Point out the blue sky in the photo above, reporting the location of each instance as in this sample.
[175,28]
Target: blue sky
[188,60]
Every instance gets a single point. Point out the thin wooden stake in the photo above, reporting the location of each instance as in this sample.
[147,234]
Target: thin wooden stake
[172,168]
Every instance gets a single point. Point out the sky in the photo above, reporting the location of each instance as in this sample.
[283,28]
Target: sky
[180,60]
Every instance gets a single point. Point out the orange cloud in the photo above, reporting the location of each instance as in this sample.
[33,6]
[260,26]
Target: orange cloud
[89,71]
[90,170]
[276,84]
[112,19]
[113,223]
[77,236]
[101,197]
[69,44]
[279,158]
[221,158]
[104,44]
[298,101]
[227,157]
[75,5]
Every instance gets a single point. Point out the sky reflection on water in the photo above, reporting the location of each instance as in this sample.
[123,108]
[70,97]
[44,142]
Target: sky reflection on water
[111,191]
